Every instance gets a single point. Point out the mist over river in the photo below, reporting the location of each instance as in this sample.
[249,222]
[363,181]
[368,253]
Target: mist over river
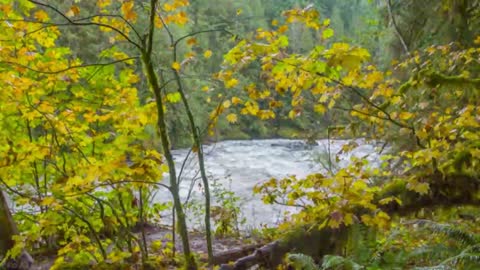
[240,165]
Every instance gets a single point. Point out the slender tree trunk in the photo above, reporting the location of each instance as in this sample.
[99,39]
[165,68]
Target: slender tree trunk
[162,128]
[198,145]
[7,230]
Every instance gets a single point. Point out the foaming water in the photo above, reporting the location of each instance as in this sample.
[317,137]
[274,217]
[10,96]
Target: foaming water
[240,165]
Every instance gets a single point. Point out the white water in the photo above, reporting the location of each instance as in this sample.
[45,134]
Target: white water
[240,165]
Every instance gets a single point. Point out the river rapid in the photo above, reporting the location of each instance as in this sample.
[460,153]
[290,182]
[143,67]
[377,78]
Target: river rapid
[240,165]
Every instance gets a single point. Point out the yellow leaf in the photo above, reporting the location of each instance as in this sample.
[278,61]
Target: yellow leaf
[164,168]
[180,18]
[477,40]
[331,103]
[176,66]
[41,16]
[390,199]
[405,115]
[320,108]
[226,104]
[232,118]
[292,114]
[127,11]
[348,219]
[103,3]
[236,100]
[207,54]
[274,23]
[195,149]
[231,83]
[421,188]
[282,29]
[75,10]
[22,201]
[239,11]
[205,88]
[168,7]
[192,41]
[47,201]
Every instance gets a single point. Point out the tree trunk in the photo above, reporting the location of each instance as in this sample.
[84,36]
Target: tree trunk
[152,78]
[174,188]
[7,230]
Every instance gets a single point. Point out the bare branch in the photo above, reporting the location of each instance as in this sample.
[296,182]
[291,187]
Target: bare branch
[395,26]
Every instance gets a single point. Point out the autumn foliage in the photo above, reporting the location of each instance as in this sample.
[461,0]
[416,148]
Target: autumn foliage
[78,145]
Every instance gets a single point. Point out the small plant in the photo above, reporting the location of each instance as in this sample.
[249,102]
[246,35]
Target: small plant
[227,211]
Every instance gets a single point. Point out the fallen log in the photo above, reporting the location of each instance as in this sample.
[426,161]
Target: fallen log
[261,255]
[234,254]
[312,242]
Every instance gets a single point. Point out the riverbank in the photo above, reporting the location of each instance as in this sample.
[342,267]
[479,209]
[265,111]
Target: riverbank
[159,238]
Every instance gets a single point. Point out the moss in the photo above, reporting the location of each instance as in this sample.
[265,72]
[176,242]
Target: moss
[100,266]
[262,131]
[235,134]
[289,133]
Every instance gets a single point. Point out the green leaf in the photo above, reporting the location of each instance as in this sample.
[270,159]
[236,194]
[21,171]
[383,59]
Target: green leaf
[327,33]
[173,97]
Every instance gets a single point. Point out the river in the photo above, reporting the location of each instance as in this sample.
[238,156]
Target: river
[240,165]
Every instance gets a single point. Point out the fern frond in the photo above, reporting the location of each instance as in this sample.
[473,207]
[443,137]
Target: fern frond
[301,262]
[450,231]
[334,262]
[436,267]
[432,252]
[464,257]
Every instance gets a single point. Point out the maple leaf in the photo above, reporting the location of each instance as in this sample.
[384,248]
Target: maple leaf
[73,11]
[103,3]
[226,104]
[232,118]
[41,16]
[231,83]
[236,100]
[207,54]
[127,11]
[192,41]
[405,115]
[320,108]
[176,66]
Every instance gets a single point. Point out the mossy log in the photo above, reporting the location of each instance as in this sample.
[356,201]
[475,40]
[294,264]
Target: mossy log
[446,192]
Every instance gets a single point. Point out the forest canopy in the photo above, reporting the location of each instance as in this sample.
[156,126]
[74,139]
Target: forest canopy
[98,94]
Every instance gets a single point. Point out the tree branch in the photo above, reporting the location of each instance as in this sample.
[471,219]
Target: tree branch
[75,22]
[395,26]
[71,67]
